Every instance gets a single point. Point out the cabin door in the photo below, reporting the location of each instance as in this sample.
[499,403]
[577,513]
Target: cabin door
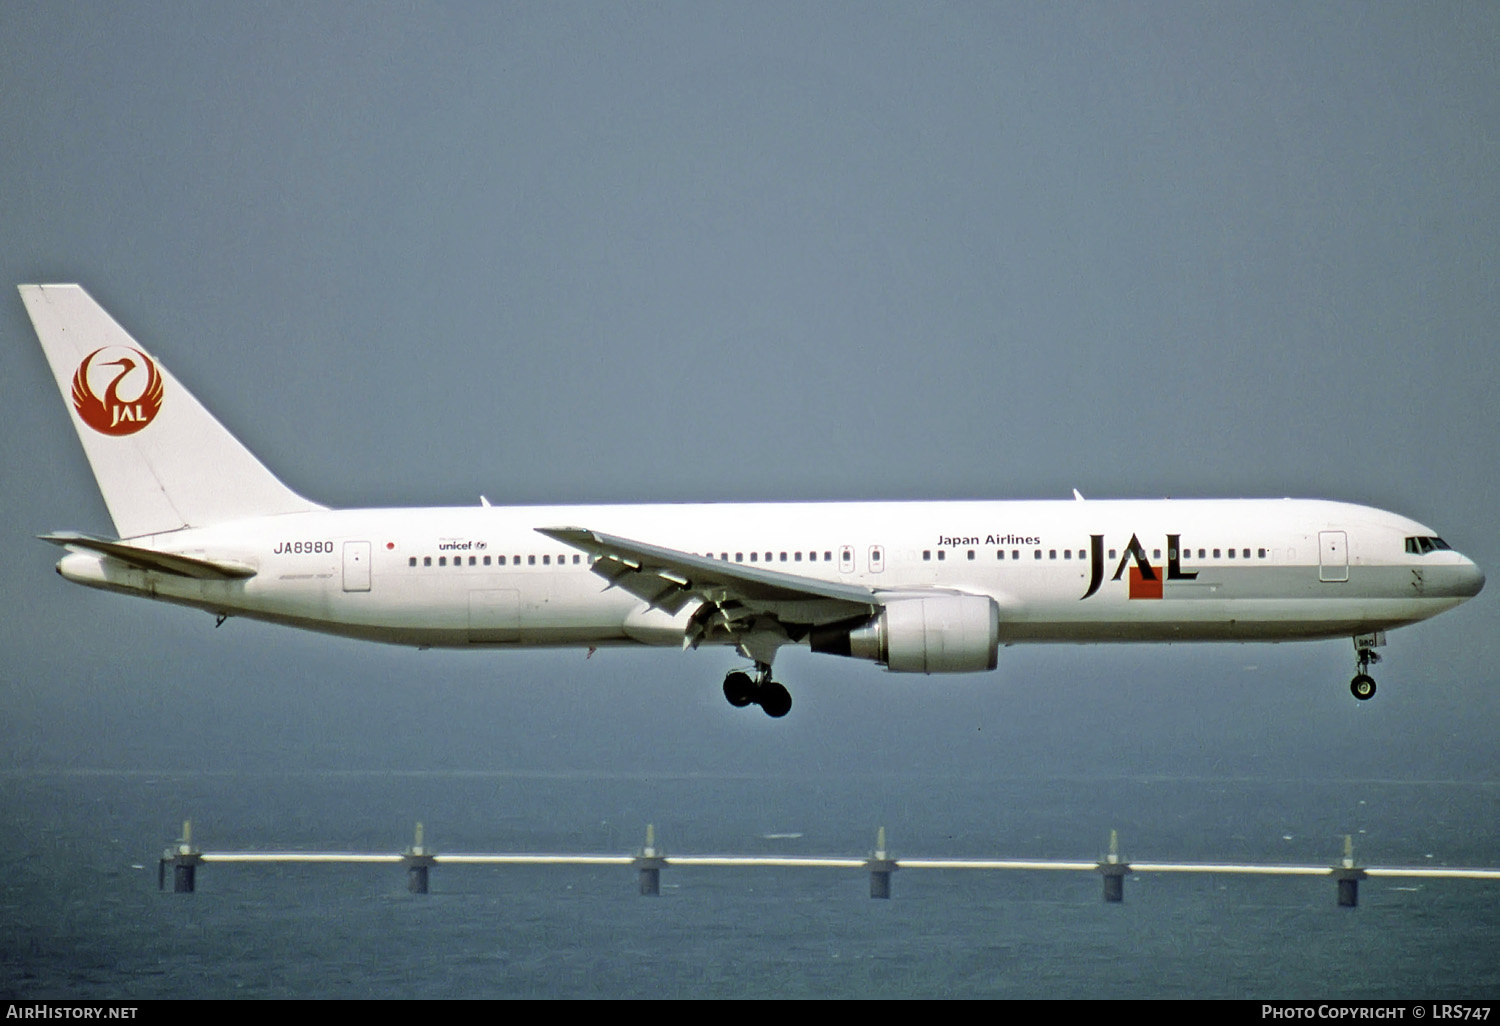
[1333,556]
[356,566]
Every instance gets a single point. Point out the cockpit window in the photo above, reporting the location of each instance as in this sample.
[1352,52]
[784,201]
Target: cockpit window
[1420,546]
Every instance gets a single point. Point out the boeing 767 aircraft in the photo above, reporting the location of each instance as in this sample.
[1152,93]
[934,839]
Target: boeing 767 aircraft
[917,587]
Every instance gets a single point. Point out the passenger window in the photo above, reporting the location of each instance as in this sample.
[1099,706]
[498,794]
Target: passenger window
[1015,553]
[531,560]
[796,557]
[1231,553]
[942,554]
[971,554]
[1216,553]
[1067,553]
[412,561]
[442,561]
[1038,554]
[1051,553]
[426,560]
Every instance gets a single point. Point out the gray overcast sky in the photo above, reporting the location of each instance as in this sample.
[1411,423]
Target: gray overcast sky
[413,253]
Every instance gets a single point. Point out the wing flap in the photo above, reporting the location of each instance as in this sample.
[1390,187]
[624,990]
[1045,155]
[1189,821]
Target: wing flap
[659,590]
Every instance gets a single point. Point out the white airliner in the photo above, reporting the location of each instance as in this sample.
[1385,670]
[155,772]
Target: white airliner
[918,587]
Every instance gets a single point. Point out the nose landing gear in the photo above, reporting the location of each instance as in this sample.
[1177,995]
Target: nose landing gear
[740,689]
[1363,685]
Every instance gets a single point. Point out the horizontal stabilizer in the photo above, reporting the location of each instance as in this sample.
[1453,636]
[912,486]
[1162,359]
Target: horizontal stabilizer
[150,559]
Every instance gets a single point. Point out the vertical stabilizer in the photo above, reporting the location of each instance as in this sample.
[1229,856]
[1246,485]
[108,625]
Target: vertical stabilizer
[161,460]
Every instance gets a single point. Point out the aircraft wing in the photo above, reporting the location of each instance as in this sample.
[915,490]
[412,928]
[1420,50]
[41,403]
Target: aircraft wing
[669,579]
[150,559]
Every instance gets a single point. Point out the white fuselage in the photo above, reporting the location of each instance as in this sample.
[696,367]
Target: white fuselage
[1240,570]
[917,587]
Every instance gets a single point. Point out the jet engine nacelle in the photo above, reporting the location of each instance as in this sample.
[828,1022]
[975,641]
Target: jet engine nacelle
[938,634]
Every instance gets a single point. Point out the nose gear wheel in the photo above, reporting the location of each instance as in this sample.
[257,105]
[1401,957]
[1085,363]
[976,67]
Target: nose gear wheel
[1362,686]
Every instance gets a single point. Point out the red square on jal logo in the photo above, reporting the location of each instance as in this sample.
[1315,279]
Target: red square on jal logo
[1140,588]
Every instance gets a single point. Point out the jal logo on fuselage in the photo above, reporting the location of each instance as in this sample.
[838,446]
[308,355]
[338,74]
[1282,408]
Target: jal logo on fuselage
[1145,580]
[132,393]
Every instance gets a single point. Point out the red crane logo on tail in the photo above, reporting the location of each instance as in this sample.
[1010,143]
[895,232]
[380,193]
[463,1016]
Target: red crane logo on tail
[116,414]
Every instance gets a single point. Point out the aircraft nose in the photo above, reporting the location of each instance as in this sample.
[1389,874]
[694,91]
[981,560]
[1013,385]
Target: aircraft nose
[1471,582]
[1460,579]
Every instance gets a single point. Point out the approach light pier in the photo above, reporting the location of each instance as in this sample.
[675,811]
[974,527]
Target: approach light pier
[183,858]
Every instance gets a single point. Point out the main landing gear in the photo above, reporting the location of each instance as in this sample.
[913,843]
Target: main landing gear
[1363,685]
[741,690]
